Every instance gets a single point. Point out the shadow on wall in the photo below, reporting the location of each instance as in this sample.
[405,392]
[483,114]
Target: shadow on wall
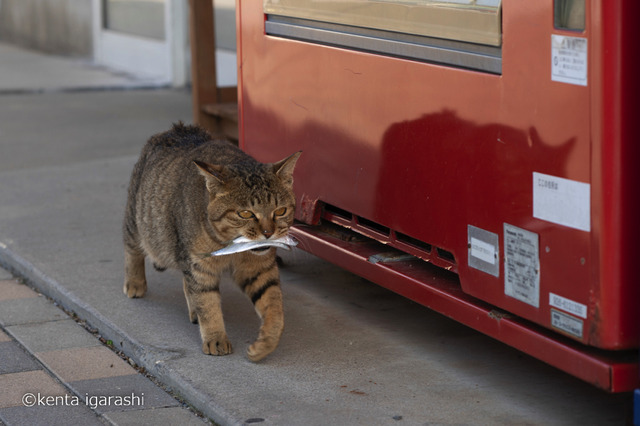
[447,166]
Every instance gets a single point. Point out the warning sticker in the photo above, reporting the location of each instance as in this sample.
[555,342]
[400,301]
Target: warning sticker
[521,265]
[567,323]
[569,59]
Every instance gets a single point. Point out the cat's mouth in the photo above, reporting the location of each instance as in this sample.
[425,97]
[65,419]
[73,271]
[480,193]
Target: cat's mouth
[260,249]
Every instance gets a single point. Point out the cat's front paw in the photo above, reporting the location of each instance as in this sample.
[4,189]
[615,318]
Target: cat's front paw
[218,345]
[134,289]
[261,348]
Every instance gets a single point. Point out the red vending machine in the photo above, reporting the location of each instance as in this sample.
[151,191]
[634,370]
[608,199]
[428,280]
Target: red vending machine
[479,157]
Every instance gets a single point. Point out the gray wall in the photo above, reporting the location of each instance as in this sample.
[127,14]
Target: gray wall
[55,26]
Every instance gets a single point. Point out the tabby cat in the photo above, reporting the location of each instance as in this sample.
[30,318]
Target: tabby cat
[191,195]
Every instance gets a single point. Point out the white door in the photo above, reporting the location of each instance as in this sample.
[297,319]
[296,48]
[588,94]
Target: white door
[145,38]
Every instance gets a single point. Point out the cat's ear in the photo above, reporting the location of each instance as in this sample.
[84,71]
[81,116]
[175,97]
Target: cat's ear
[284,168]
[213,174]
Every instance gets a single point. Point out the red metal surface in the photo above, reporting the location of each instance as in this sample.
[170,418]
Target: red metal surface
[416,152]
[615,170]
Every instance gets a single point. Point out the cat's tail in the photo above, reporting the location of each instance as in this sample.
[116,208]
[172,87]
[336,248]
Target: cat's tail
[181,136]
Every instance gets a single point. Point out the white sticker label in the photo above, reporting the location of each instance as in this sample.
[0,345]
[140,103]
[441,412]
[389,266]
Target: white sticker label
[562,201]
[569,59]
[483,251]
[567,323]
[521,265]
[568,305]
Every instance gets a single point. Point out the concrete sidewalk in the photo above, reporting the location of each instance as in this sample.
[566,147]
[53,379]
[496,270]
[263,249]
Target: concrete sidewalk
[352,353]
[72,378]
[24,71]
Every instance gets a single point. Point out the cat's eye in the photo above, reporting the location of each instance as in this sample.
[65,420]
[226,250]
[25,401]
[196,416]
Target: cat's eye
[280,212]
[246,214]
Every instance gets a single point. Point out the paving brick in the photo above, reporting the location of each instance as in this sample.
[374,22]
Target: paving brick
[142,393]
[14,386]
[29,310]
[14,359]
[53,335]
[12,289]
[58,415]
[85,363]
[158,416]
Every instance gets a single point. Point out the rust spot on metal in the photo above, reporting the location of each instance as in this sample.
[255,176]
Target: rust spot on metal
[309,211]
[498,315]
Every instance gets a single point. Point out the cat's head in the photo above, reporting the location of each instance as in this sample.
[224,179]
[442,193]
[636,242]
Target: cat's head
[250,199]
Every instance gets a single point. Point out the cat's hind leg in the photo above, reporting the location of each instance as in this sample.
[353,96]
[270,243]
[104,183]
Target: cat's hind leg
[135,283]
[259,279]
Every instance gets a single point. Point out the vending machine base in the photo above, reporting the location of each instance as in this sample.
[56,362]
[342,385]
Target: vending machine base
[438,289]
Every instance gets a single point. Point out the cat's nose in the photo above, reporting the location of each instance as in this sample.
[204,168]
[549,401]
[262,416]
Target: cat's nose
[267,233]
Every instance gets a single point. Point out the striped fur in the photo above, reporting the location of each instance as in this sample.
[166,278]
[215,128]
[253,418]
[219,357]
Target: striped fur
[185,198]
